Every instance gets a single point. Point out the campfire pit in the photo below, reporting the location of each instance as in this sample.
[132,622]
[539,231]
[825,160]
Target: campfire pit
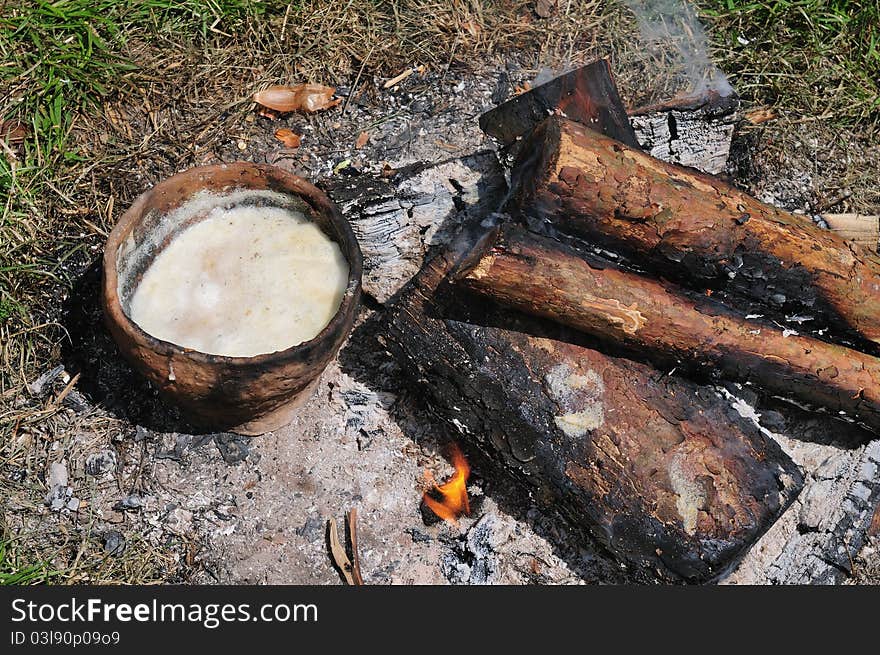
[663,469]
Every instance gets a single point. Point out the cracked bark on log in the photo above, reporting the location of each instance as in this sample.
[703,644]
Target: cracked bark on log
[695,228]
[668,325]
[663,471]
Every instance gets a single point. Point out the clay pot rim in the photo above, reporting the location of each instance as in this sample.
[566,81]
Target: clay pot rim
[292,184]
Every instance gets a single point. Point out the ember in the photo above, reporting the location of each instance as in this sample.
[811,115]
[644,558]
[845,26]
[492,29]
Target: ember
[449,501]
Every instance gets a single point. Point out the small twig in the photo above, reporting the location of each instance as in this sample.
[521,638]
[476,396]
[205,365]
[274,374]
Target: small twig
[394,81]
[66,390]
[357,80]
[284,24]
[829,203]
[352,535]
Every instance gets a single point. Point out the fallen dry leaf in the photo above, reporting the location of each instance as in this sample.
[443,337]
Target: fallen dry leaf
[546,8]
[473,28]
[301,97]
[288,137]
[13,131]
[362,139]
[761,115]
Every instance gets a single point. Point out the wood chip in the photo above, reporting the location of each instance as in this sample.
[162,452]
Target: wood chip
[760,115]
[352,533]
[340,557]
[307,98]
[350,568]
[362,140]
[858,228]
[394,81]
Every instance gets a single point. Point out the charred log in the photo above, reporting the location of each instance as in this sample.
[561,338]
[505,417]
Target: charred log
[691,131]
[662,471]
[399,218]
[695,228]
[668,325]
[587,95]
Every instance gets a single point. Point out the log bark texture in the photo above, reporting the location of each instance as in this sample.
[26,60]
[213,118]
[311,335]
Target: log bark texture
[662,471]
[663,322]
[587,95]
[695,228]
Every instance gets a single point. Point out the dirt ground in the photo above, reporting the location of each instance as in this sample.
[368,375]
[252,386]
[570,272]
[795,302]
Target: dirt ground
[115,488]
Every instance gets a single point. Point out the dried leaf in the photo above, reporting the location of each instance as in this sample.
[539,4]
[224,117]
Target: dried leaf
[362,139]
[301,97]
[288,137]
[546,8]
[13,131]
[473,28]
[760,115]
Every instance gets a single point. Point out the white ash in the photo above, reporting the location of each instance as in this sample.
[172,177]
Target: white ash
[60,495]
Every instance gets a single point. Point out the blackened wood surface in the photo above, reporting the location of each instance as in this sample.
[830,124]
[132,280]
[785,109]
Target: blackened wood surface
[398,219]
[587,95]
[696,228]
[664,472]
[671,327]
[694,131]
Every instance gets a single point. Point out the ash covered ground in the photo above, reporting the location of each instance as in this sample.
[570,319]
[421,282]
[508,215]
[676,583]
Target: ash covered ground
[117,472]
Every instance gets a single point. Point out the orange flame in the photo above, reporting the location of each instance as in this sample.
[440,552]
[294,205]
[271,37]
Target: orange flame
[453,496]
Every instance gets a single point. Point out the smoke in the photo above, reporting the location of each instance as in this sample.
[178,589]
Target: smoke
[672,25]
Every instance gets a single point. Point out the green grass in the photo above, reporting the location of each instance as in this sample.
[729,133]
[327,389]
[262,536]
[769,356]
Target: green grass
[60,59]
[14,572]
[61,56]
[808,58]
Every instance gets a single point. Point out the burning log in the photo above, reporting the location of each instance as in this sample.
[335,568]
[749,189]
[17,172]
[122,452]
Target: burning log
[694,227]
[669,325]
[663,471]
[587,95]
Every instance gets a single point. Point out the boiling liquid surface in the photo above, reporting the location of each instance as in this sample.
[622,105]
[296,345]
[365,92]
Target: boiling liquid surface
[242,282]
